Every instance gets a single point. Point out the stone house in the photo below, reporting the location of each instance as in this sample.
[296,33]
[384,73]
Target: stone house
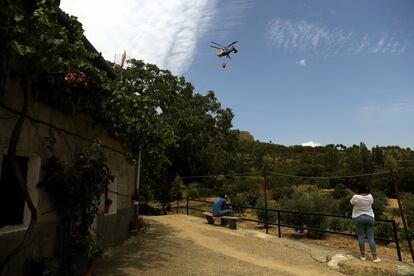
[73,132]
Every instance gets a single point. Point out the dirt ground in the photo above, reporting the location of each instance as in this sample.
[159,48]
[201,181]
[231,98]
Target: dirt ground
[187,245]
[336,241]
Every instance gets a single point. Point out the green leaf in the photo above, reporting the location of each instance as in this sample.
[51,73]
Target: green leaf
[57,41]
[22,49]
[18,17]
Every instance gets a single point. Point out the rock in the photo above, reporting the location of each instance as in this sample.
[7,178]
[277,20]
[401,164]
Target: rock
[320,256]
[337,259]
[362,268]
[404,270]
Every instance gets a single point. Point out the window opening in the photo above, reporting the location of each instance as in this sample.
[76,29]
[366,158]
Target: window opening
[11,196]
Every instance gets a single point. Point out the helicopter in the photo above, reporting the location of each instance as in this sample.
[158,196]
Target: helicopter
[224,51]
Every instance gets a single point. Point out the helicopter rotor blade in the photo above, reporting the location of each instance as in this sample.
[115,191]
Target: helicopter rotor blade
[232,43]
[217,44]
[215,47]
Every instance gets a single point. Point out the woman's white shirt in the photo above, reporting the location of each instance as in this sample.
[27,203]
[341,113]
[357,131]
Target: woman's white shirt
[362,205]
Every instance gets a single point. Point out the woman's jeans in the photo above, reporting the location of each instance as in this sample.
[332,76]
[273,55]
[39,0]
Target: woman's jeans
[365,228]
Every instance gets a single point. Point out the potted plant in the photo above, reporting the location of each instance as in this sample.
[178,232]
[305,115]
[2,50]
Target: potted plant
[108,203]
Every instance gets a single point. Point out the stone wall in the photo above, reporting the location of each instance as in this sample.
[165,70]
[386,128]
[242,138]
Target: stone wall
[73,134]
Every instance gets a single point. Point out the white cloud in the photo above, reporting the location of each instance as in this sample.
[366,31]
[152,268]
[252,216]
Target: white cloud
[158,31]
[311,144]
[231,14]
[387,111]
[301,62]
[304,36]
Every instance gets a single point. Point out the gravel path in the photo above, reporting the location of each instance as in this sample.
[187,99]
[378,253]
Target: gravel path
[181,245]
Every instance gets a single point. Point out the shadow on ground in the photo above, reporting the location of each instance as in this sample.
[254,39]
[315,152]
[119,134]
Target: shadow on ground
[145,251]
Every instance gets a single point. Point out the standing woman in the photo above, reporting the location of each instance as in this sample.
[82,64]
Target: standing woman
[364,217]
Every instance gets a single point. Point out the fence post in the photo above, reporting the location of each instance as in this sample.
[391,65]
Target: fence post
[265,194]
[402,215]
[177,206]
[187,206]
[278,224]
[397,243]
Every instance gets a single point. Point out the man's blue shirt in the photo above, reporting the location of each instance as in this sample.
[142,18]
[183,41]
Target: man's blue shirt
[218,205]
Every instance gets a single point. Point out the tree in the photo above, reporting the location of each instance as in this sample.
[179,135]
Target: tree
[353,160]
[366,159]
[314,202]
[331,158]
[176,189]
[246,136]
[378,156]
[196,130]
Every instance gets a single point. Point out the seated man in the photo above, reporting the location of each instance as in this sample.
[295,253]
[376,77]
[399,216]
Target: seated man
[219,206]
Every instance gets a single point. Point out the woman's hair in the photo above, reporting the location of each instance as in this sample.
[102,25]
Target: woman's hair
[363,190]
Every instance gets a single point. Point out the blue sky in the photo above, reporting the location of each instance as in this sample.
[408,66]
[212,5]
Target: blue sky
[322,71]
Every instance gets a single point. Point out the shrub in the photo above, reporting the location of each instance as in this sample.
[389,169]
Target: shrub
[341,224]
[380,203]
[384,230]
[251,198]
[247,184]
[261,214]
[281,192]
[239,200]
[336,224]
[314,202]
[204,191]
[176,187]
[229,184]
[323,184]
[340,191]
[408,205]
[343,206]
[382,183]
[277,181]
[193,191]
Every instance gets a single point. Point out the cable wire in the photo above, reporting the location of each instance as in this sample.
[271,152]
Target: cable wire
[218,175]
[288,175]
[330,177]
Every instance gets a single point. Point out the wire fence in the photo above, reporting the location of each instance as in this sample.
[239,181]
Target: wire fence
[271,186]
[280,220]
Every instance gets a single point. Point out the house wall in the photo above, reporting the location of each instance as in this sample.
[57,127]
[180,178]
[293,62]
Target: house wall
[72,134]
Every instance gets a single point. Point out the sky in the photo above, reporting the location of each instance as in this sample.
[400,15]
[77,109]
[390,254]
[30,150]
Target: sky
[307,72]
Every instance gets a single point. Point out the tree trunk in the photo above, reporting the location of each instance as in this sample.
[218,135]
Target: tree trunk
[14,139]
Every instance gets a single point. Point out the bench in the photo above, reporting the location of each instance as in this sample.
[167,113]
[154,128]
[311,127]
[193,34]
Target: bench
[231,221]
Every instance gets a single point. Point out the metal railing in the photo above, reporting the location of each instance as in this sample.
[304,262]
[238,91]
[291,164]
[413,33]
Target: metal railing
[279,223]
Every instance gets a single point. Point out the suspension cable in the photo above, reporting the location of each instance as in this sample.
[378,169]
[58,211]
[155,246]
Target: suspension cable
[219,175]
[329,177]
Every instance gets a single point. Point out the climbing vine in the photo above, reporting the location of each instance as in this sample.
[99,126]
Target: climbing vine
[76,192]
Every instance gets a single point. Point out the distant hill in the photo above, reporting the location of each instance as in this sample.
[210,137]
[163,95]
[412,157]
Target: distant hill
[245,136]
